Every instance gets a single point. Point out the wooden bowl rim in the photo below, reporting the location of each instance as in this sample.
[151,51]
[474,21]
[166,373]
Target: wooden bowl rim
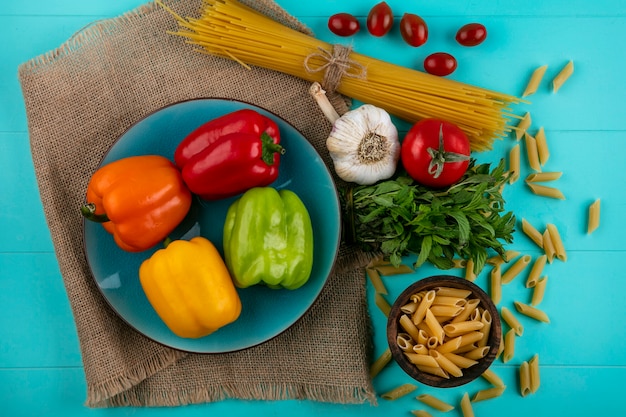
[469,374]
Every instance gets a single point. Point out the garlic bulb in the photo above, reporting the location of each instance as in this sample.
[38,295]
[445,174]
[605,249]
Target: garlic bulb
[363,143]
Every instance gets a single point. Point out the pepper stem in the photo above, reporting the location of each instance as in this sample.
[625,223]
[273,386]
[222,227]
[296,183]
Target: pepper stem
[322,101]
[439,157]
[89,212]
[270,148]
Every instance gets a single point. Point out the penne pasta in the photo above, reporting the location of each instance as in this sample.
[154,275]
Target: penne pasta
[382,304]
[500,346]
[446,364]
[398,392]
[432,343]
[544,176]
[496,284]
[523,126]
[468,309]
[376,280]
[492,378]
[485,319]
[469,270]
[509,346]
[514,164]
[460,360]
[515,269]
[512,321]
[533,368]
[435,402]
[422,337]
[421,413]
[389,270]
[420,349]
[435,328]
[409,327]
[532,312]
[466,406]
[470,338]
[593,221]
[509,255]
[458,263]
[477,353]
[524,379]
[542,146]
[421,360]
[437,371]
[488,394]
[451,345]
[424,305]
[557,242]
[548,246]
[457,329]
[562,76]
[534,81]
[445,311]
[535,271]
[443,300]
[534,234]
[545,191]
[532,153]
[380,363]
[405,342]
[409,308]
[539,291]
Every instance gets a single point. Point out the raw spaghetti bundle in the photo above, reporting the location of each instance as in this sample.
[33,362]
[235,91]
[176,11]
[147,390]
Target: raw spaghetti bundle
[231,30]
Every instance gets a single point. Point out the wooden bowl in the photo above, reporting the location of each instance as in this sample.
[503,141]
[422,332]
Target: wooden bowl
[394,327]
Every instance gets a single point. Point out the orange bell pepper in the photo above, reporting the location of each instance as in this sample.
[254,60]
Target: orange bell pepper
[139,200]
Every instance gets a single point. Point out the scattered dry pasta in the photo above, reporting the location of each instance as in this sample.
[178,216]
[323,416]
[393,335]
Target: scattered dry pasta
[593,222]
[557,242]
[380,363]
[542,146]
[535,271]
[514,164]
[524,379]
[515,269]
[532,153]
[534,81]
[377,282]
[535,379]
[545,191]
[398,392]
[534,234]
[488,394]
[435,402]
[512,321]
[532,312]
[523,126]
[466,406]
[539,291]
[562,76]
[543,176]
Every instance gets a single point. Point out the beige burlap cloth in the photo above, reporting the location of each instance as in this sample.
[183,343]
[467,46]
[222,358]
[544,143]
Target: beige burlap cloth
[79,98]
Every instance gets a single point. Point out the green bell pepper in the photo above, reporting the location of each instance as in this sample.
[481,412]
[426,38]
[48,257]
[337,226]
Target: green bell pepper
[268,239]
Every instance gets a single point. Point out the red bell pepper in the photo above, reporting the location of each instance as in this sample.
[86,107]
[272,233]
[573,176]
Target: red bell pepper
[229,155]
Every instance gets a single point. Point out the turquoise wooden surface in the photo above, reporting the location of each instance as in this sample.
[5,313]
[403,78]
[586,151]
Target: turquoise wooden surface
[583,349]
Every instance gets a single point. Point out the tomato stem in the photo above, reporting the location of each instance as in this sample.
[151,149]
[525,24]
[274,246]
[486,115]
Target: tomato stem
[439,157]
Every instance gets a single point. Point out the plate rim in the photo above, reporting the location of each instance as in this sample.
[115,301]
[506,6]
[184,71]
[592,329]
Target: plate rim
[314,300]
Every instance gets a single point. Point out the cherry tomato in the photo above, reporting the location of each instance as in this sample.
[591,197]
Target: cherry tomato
[380,19]
[413,29]
[435,153]
[471,34]
[343,24]
[440,63]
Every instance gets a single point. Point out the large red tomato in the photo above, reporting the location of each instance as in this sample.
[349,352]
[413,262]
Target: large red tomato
[435,153]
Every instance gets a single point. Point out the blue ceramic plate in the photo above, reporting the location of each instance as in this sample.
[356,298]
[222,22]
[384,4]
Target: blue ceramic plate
[265,313]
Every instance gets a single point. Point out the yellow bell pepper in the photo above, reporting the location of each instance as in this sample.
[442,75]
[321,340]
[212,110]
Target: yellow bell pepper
[190,288]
